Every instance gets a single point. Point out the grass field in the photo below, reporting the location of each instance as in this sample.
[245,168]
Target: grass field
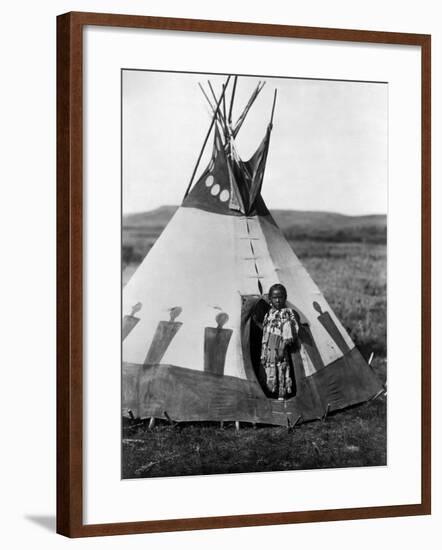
[350,269]
[355,437]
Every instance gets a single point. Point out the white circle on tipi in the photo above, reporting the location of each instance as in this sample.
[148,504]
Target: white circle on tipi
[215,189]
[224,195]
[209,180]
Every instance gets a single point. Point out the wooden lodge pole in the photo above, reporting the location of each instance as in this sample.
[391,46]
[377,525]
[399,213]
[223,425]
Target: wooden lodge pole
[207,137]
[273,106]
[232,99]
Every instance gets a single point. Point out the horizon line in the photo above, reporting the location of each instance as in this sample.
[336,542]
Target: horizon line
[270,209]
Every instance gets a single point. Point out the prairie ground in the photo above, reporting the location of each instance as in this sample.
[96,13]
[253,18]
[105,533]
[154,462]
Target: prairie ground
[352,276]
[354,437]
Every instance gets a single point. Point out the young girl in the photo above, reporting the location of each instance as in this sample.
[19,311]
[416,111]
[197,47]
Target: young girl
[279,332]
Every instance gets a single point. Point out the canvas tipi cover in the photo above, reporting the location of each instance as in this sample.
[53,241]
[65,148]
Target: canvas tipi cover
[190,346]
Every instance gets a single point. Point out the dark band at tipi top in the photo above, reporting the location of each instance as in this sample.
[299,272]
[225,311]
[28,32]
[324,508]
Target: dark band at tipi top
[230,185]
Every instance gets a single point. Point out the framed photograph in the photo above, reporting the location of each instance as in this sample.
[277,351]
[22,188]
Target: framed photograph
[243,274]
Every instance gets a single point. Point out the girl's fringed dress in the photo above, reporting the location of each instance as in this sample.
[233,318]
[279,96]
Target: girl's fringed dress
[279,331]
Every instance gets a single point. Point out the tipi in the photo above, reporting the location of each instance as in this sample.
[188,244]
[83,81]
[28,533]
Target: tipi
[190,347]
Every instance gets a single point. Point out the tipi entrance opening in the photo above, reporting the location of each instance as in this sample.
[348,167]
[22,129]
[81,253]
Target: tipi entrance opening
[254,308]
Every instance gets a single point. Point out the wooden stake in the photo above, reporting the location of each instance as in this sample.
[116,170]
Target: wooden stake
[171,422]
[298,420]
[327,410]
[237,425]
[151,422]
[380,392]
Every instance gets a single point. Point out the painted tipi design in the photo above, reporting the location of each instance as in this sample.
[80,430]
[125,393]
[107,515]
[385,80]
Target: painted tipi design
[190,344]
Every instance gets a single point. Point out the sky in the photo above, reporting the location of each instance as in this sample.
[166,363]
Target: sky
[328,149]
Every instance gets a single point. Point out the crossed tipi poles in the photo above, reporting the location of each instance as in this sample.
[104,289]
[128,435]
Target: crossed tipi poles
[222,116]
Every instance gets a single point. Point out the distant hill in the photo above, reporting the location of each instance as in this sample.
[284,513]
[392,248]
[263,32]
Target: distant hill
[284,218]
[140,230]
[153,218]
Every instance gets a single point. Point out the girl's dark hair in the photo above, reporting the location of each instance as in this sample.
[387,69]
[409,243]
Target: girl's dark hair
[278,286]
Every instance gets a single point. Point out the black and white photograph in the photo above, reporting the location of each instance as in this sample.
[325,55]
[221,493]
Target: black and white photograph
[253,273]
[226,251]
